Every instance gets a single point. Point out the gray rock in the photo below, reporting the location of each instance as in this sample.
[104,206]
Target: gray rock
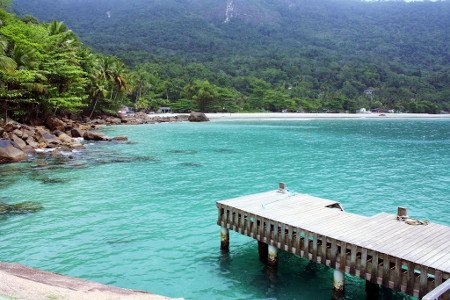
[65,138]
[18,132]
[95,136]
[120,138]
[198,117]
[49,139]
[17,140]
[30,141]
[10,152]
[77,132]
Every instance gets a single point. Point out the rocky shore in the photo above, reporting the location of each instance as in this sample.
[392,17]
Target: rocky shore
[19,141]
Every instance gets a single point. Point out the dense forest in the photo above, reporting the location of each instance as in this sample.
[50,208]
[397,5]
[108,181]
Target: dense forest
[242,55]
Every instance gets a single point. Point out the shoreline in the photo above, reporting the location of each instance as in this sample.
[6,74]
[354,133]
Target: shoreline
[283,116]
[21,282]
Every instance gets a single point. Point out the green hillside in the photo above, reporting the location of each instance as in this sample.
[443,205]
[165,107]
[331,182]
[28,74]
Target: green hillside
[279,54]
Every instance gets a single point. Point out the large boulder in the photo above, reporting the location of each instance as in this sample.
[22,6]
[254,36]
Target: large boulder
[95,136]
[55,124]
[65,138]
[120,138]
[31,142]
[10,127]
[113,121]
[10,152]
[77,133]
[45,137]
[198,117]
[18,132]
[17,140]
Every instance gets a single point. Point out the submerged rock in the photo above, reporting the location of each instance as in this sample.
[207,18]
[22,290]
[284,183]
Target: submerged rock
[19,208]
[95,136]
[198,117]
[120,138]
[10,152]
[190,164]
[183,151]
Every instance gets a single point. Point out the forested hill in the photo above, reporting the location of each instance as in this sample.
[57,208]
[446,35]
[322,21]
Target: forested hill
[312,54]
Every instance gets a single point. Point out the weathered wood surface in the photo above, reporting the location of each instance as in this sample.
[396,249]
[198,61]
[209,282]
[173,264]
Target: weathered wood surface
[411,258]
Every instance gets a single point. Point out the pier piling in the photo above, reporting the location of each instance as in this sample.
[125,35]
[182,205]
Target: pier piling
[263,251]
[272,260]
[338,284]
[224,239]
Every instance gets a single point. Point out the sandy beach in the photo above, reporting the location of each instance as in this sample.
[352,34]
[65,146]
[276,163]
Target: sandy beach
[293,116]
[237,116]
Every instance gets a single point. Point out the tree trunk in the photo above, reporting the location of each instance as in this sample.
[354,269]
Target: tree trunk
[93,109]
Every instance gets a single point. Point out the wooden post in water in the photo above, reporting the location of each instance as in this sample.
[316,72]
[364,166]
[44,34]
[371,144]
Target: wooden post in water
[272,258]
[263,251]
[224,239]
[338,284]
[402,213]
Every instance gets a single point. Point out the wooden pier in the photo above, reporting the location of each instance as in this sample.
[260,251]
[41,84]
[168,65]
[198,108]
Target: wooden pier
[384,249]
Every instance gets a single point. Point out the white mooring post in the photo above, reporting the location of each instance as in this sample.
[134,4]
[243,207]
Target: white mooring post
[338,284]
[224,239]
[272,259]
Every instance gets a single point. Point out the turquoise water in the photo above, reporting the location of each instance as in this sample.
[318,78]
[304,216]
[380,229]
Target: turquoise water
[142,215]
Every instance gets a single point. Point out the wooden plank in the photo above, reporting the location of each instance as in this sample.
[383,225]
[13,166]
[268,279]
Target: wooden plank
[314,250]
[397,276]
[323,250]
[437,278]
[442,263]
[405,238]
[363,264]
[353,250]
[434,255]
[283,236]
[386,270]
[306,244]
[410,278]
[374,268]
[423,282]
[343,256]
[333,253]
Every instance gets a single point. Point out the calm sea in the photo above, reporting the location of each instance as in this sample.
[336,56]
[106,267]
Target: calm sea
[142,215]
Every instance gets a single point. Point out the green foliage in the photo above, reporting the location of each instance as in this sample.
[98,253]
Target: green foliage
[45,69]
[308,55]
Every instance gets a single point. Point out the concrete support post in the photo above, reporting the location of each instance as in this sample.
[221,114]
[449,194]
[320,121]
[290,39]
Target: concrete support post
[272,258]
[372,290]
[263,251]
[224,239]
[338,284]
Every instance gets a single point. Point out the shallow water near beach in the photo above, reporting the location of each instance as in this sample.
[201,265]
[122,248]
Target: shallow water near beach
[142,215]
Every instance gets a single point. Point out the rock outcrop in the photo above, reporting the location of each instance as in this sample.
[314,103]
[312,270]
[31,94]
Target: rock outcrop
[198,117]
[95,136]
[10,152]
[18,140]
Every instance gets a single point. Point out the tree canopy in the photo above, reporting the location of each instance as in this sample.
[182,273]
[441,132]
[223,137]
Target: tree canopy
[297,55]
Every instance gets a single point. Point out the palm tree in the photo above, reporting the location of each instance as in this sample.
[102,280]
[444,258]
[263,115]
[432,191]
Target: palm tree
[56,27]
[7,64]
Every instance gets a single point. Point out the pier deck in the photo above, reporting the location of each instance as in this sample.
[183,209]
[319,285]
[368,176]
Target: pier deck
[414,259]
